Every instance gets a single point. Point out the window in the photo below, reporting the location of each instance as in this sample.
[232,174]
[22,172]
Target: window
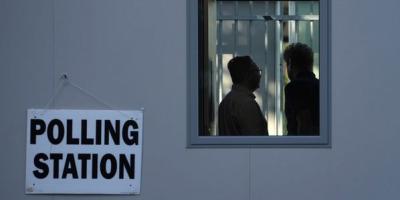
[220,30]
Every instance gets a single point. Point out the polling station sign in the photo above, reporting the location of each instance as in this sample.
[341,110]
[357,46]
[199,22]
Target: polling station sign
[83,151]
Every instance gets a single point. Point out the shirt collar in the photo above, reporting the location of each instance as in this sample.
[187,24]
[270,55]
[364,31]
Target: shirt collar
[305,75]
[243,90]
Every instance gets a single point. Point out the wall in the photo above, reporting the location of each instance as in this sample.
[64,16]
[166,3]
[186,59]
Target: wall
[132,54]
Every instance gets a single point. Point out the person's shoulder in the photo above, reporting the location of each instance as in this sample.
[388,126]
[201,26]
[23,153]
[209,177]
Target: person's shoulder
[246,103]
[240,101]
[297,84]
[290,86]
[226,99]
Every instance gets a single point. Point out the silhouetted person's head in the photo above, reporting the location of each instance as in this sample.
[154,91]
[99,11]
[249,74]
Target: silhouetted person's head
[244,72]
[299,58]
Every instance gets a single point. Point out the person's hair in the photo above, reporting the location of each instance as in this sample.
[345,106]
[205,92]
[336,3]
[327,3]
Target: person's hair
[238,68]
[299,56]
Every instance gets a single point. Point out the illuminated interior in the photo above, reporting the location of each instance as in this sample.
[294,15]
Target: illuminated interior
[261,29]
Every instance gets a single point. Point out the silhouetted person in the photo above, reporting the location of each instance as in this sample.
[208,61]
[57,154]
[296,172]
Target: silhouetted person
[238,113]
[302,93]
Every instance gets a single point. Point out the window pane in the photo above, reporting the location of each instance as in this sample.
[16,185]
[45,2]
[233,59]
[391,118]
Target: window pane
[241,28]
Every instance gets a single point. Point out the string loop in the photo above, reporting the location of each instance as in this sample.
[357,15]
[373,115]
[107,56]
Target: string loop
[64,79]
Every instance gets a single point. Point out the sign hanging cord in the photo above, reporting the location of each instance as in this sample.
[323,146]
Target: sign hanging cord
[65,80]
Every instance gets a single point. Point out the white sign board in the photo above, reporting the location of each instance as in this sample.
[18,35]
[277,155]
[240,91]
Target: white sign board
[84,151]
